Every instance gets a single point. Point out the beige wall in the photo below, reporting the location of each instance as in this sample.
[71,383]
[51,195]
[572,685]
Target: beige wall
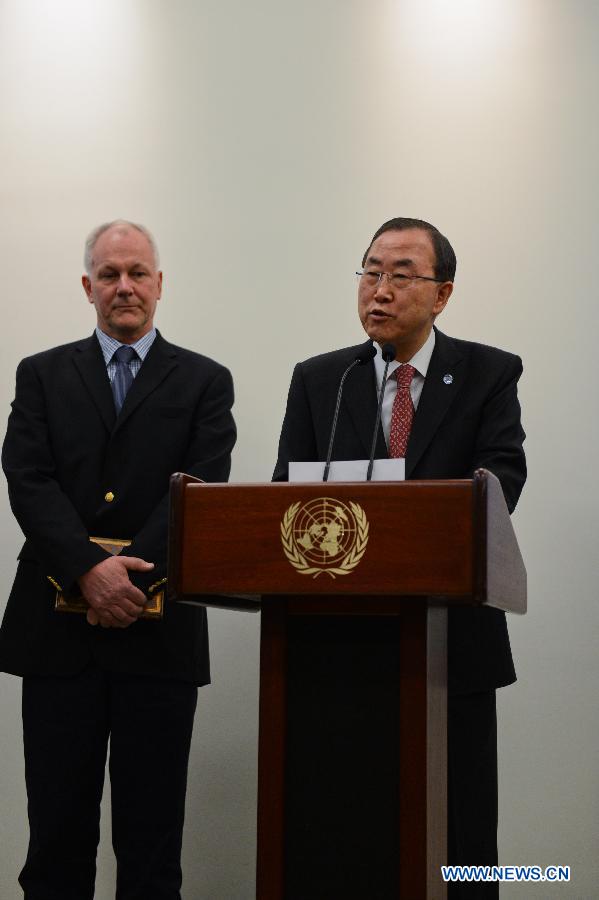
[263,143]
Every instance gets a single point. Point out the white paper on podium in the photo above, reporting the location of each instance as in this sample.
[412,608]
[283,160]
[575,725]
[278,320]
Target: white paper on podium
[349,470]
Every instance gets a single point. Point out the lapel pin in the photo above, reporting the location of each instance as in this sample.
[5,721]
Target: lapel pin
[448,378]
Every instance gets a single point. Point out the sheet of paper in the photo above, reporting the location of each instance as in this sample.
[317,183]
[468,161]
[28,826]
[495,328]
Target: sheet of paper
[349,470]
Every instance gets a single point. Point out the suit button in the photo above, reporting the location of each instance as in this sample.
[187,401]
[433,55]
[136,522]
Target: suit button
[109,497]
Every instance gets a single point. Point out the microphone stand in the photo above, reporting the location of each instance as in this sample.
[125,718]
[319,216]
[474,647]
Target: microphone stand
[366,354]
[388,353]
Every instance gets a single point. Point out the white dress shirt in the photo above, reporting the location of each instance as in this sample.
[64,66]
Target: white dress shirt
[420,361]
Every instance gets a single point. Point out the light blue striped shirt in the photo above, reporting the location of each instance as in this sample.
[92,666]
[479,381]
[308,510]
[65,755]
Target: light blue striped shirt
[109,345]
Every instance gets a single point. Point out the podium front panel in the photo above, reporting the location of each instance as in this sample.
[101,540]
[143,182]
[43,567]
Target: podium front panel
[351,539]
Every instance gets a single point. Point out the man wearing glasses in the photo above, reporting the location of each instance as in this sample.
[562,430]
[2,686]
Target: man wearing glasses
[449,408]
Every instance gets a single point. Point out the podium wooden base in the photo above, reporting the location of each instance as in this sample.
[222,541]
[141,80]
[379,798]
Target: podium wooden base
[352,758]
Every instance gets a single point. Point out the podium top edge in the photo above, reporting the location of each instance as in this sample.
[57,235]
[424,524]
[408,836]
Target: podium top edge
[205,485]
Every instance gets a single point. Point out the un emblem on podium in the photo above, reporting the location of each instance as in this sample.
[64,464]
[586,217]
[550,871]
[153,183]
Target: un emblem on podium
[324,535]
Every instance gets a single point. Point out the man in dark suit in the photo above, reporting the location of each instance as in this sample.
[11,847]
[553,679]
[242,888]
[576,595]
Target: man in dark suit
[460,412]
[96,429]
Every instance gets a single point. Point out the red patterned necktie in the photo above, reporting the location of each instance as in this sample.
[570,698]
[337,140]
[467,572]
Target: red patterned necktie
[402,412]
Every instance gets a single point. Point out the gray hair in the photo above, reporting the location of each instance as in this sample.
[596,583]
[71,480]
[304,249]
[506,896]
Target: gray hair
[117,223]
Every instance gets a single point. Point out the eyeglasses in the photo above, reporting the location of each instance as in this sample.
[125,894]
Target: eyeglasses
[395,279]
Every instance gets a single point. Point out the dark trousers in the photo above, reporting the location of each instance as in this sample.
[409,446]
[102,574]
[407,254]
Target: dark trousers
[343,739]
[68,724]
[472,789]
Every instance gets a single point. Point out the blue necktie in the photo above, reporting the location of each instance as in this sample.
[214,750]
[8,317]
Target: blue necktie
[123,379]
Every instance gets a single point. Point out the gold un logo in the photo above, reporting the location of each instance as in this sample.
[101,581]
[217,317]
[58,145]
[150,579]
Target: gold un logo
[324,535]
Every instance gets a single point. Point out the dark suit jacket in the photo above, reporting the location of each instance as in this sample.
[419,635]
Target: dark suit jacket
[472,422]
[65,450]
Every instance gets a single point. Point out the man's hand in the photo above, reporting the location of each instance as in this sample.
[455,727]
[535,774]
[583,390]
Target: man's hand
[113,600]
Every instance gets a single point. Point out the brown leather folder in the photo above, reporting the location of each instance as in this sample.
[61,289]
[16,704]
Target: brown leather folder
[73,603]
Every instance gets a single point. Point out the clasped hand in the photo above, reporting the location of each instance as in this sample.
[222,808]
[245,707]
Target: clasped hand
[114,602]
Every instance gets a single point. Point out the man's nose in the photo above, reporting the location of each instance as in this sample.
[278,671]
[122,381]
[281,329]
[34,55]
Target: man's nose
[383,289]
[124,285]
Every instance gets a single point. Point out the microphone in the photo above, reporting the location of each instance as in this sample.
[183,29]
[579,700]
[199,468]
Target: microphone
[364,355]
[388,353]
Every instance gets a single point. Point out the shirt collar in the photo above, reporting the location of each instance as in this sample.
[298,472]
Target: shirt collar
[108,344]
[420,360]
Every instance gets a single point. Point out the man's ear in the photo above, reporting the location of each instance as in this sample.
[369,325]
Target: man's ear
[87,287]
[444,292]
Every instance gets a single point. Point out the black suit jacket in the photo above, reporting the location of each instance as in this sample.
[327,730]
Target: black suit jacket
[472,421]
[65,451]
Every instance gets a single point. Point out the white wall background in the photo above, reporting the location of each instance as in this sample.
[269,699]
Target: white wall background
[263,143]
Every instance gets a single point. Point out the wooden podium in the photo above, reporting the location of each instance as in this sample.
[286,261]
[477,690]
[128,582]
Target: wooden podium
[353,581]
